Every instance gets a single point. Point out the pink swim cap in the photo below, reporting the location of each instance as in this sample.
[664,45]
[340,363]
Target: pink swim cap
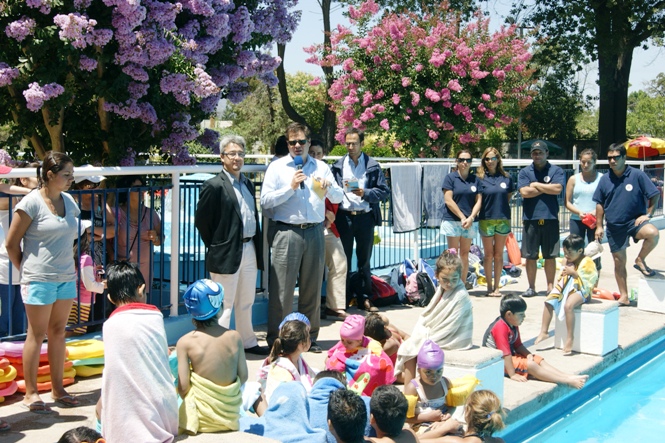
[430,356]
[353,327]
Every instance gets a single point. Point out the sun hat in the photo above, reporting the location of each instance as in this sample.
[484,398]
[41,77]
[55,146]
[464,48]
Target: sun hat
[539,145]
[353,327]
[430,356]
[295,316]
[90,178]
[203,298]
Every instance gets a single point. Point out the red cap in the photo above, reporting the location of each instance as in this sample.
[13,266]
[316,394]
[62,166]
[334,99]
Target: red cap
[4,169]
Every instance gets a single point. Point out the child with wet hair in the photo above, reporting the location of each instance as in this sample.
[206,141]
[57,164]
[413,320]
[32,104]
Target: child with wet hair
[378,327]
[286,361]
[81,434]
[447,320]
[483,415]
[430,388]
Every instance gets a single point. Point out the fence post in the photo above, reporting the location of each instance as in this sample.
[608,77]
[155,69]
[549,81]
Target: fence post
[175,243]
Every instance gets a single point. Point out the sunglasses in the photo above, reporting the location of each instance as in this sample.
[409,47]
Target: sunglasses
[490,159]
[298,142]
[614,157]
[464,160]
[92,185]
[234,154]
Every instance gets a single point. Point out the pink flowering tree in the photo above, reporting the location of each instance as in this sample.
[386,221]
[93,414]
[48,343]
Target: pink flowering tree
[109,79]
[425,82]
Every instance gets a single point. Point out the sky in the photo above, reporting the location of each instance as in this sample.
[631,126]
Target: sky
[646,64]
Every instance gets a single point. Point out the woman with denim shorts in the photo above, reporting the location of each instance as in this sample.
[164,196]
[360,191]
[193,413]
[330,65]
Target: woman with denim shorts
[39,243]
[496,187]
[462,197]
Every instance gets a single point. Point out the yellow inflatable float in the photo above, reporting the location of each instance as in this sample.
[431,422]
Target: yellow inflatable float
[83,349]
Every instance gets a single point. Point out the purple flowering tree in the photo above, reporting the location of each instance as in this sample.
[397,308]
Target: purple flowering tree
[425,82]
[108,79]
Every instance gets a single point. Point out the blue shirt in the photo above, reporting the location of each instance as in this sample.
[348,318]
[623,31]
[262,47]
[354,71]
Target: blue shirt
[495,190]
[301,205]
[624,198]
[464,194]
[543,206]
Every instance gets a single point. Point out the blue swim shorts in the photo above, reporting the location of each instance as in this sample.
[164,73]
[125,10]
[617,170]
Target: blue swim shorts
[618,237]
[454,229]
[46,293]
[490,227]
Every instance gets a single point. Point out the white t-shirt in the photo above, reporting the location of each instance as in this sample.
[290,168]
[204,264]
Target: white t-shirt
[47,245]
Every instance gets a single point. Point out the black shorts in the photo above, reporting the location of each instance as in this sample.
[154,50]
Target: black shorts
[540,235]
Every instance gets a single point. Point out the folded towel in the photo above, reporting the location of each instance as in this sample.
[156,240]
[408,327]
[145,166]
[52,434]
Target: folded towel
[406,196]
[433,201]
[209,407]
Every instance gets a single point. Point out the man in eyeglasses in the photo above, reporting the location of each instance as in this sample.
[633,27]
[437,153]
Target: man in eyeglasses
[539,184]
[364,188]
[621,197]
[227,219]
[294,189]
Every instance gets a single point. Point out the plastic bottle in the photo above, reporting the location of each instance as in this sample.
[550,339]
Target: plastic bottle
[633,294]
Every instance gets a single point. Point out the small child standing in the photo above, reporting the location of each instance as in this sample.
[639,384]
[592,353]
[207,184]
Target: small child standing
[139,402]
[362,359]
[211,365]
[447,320]
[88,285]
[504,334]
[578,278]
[286,362]
[430,387]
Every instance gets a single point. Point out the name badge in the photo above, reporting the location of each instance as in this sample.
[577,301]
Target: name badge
[547,179]
[503,185]
[473,189]
[629,187]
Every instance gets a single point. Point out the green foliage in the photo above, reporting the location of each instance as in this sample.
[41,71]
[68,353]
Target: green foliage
[308,100]
[646,112]
[587,124]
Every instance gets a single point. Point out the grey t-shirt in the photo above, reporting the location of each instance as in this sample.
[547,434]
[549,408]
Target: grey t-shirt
[47,244]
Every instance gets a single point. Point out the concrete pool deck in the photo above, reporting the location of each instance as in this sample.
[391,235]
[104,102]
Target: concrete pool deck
[637,329]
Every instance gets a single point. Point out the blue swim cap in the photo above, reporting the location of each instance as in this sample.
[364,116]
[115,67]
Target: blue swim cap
[295,316]
[203,298]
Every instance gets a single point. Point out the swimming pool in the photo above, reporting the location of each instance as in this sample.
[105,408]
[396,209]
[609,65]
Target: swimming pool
[627,404]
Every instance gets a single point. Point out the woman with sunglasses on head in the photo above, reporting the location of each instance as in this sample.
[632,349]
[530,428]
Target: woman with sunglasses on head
[463,200]
[496,187]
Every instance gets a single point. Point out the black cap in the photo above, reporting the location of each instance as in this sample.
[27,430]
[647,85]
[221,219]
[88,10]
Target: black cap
[539,145]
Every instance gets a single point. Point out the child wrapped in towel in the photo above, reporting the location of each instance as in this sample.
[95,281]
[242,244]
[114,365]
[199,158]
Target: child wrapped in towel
[361,358]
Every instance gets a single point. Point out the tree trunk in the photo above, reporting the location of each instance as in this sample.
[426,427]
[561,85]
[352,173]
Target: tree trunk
[283,92]
[615,56]
[54,130]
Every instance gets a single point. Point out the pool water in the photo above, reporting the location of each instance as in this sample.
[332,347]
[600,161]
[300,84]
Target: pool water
[632,410]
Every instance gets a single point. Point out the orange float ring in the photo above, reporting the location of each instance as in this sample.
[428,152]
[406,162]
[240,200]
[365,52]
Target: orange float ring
[604,294]
[42,387]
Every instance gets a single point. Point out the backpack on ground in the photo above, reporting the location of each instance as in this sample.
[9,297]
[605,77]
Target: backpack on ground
[426,288]
[382,293]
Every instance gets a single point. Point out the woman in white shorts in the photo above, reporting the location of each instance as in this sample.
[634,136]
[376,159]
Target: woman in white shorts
[39,243]
[463,200]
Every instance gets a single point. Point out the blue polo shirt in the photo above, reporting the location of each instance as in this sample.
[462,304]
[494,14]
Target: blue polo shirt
[495,190]
[464,194]
[544,206]
[624,198]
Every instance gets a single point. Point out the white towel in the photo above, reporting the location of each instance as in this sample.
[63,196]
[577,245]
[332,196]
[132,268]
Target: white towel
[406,196]
[433,175]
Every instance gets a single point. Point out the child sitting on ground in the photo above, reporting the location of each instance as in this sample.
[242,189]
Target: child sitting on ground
[378,327]
[211,365]
[89,285]
[138,399]
[325,383]
[362,359]
[504,334]
[387,410]
[575,287]
[483,415]
[286,362]
[447,320]
[430,388]
[347,416]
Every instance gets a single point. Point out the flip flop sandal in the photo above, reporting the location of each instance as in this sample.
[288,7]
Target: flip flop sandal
[68,401]
[37,407]
[647,271]
[4,426]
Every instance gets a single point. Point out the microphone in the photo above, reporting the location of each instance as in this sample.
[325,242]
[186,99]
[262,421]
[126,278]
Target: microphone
[298,161]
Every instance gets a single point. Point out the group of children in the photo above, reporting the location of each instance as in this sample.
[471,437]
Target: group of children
[212,374]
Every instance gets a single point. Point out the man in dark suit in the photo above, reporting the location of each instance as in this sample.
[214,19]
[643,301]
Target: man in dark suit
[228,222]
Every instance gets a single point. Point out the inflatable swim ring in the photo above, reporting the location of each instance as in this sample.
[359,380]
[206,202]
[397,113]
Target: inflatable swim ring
[8,374]
[42,387]
[604,294]
[461,389]
[15,349]
[89,361]
[41,370]
[81,349]
[9,390]
[69,373]
[89,371]
[3,363]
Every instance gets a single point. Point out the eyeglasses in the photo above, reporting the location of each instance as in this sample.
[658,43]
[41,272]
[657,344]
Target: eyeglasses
[464,160]
[297,142]
[234,154]
[490,159]
[614,157]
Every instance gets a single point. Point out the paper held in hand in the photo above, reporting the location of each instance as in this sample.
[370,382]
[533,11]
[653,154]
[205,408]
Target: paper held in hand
[318,188]
[350,185]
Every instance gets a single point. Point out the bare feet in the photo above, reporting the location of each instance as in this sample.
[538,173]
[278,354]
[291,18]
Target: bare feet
[568,347]
[541,337]
[624,300]
[577,381]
